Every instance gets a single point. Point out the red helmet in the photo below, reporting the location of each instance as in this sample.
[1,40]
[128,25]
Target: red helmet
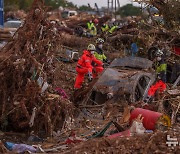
[96,21]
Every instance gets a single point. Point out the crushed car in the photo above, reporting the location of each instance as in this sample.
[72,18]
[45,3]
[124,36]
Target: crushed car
[129,76]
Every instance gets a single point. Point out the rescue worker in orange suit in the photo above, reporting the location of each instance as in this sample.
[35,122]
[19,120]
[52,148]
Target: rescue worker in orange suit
[89,65]
[161,68]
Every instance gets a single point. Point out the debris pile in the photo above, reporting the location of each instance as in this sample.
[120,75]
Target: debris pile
[110,114]
[6,34]
[135,144]
[26,65]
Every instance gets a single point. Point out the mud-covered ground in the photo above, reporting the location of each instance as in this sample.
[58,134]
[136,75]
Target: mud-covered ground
[147,143]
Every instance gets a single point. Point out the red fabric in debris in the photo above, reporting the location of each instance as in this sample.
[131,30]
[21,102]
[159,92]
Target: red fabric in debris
[71,140]
[176,50]
[121,134]
[159,85]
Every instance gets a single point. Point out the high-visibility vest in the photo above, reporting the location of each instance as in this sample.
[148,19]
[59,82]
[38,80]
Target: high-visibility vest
[90,25]
[161,68]
[92,28]
[100,57]
[106,28]
[113,28]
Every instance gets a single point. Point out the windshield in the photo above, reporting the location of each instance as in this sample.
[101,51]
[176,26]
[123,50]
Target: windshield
[64,14]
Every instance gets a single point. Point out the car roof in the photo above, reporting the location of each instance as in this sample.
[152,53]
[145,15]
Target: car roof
[132,62]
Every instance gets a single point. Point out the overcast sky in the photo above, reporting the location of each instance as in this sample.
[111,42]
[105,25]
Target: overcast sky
[100,3]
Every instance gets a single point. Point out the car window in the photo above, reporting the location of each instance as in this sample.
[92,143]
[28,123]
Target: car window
[141,87]
[71,14]
[143,81]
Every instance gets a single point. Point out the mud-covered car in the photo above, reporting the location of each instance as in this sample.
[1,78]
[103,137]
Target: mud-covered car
[130,76]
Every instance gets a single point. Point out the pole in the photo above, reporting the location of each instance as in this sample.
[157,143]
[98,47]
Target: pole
[112,6]
[1,13]
[115,9]
[118,4]
[108,6]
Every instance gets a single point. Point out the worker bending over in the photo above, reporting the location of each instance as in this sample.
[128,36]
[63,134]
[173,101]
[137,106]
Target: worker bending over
[104,28]
[161,68]
[89,65]
[91,26]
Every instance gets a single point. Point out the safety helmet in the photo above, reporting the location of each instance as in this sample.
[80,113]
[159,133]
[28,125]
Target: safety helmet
[159,53]
[96,21]
[104,25]
[99,41]
[91,47]
[113,20]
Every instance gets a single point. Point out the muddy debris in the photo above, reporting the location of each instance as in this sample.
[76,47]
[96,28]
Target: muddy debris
[39,105]
[27,70]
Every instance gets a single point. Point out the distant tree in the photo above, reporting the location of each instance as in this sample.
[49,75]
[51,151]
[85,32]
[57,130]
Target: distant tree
[11,2]
[25,4]
[11,5]
[85,8]
[17,4]
[129,10]
[55,3]
[71,5]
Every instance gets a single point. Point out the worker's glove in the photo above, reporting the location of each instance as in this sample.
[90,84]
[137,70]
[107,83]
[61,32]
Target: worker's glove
[109,95]
[148,99]
[90,77]
[106,61]
[158,77]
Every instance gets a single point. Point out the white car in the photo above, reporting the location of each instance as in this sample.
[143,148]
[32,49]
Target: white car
[13,24]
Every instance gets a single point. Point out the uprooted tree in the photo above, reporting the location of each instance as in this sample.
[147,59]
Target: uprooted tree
[25,68]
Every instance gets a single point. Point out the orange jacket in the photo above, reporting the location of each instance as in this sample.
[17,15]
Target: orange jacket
[87,59]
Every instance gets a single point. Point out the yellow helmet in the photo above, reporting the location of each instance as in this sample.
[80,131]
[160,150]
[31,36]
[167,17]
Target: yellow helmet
[91,47]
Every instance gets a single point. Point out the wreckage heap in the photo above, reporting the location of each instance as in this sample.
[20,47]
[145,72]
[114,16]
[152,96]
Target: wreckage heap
[26,70]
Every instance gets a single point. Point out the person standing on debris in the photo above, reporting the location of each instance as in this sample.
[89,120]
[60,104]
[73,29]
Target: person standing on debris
[84,66]
[161,68]
[92,27]
[99,54]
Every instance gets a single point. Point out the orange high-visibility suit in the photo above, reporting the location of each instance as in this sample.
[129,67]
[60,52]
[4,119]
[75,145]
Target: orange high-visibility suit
[84,66]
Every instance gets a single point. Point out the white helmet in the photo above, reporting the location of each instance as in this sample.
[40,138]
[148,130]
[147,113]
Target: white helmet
[113,20]
[159,53]
[91,47]
[99,41]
